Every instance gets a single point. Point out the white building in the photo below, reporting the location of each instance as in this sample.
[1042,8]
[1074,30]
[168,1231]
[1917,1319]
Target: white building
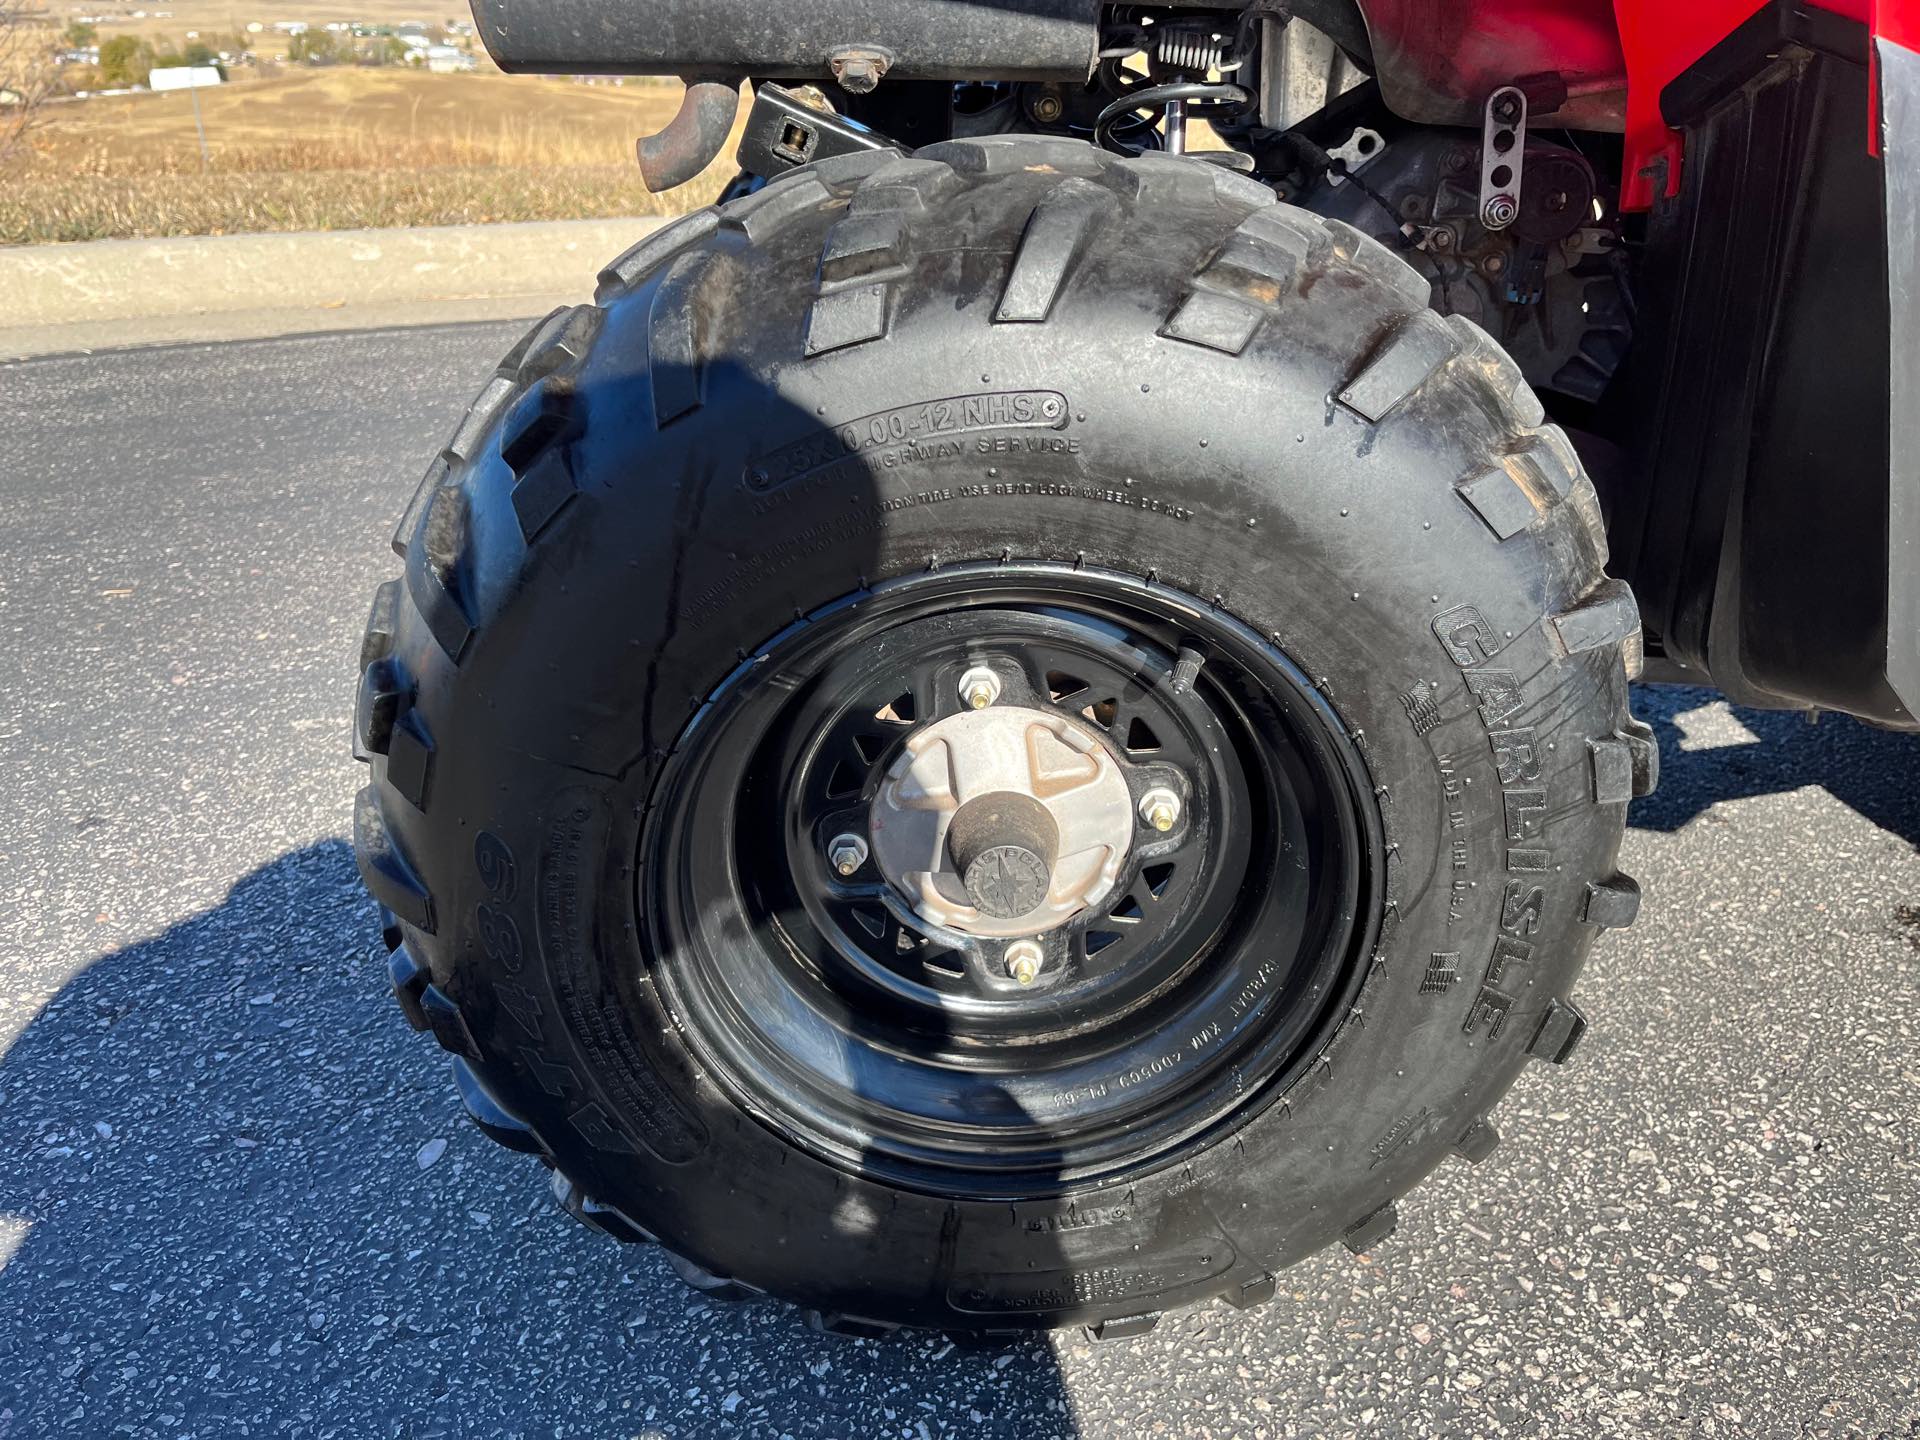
[183,77]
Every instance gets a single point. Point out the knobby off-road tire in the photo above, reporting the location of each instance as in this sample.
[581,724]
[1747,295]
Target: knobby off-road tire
[1257,415]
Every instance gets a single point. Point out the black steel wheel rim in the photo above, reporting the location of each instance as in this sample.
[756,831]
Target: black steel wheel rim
[1194,992]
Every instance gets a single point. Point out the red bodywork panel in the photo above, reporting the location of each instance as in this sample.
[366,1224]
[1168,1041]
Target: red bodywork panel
[1438,60]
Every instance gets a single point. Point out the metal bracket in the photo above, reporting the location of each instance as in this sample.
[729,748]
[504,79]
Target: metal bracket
[784,132]
[1503,146]
[1360,147]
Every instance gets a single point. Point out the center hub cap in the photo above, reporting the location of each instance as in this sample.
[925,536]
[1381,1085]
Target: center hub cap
[1002,822]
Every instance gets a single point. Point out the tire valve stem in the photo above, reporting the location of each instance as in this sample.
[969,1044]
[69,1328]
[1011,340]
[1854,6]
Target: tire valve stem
[847,853]
[979,688]
[1023,961]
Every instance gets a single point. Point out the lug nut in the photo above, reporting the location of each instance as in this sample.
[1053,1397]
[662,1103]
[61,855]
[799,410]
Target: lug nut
[1160,809]
[848,853]
[1023,961]
[979,688]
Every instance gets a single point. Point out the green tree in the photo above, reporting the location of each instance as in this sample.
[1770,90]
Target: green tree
[125,60]
[198,52]
[312,47]
[79,35]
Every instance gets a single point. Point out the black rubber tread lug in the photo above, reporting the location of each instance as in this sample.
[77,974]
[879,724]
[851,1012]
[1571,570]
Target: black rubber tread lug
[847,1327]
[494,397]
[1500,500]
[1606,615]
[1125,1327]
[651,253]
[410,758]
[1260,260]
[382,686]
[1055,238]
[1253,1293]
[904,185]
[673,340]
[1369,1232]
[432,570]
[543,492]
[862,245]
[760,214]
[1645,750]
[392,880]
[1477,1142]
[391,935]
[1164,180]
[842,173]
[1559,1034]
[1400,365]
[1610,763]
[1233,188]
[1545,461]
[1218,322]
[489,1116]
[991,155]
[559,344]
[603,1219]
[1612,904]
[847,317]
[714,1287]
[1377,261]
[415,514]
[410,980]
[510,362]
[542,417]
[978,1340]
[446,1022]
[1499,370]
[376,643]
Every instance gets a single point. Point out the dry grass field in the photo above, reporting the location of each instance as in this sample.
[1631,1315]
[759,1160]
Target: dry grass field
[340,148]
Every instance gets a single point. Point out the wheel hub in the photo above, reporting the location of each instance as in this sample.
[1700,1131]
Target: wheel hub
[1002,822]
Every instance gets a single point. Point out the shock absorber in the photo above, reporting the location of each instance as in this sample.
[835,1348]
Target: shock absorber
[1192,52]
[1183,56]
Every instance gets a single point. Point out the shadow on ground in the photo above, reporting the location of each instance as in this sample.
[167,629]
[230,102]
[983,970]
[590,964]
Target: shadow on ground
[244,1202]
[1769,752]
[240,1198]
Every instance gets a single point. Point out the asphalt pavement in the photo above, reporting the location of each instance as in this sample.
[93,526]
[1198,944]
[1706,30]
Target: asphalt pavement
[237,1197]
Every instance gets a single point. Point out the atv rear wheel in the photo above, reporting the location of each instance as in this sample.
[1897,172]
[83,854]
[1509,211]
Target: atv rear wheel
[999,738]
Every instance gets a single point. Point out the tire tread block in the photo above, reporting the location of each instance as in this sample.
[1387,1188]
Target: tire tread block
[1561,1030]
[651,253]
[1369,1231]
[674,361]
[489,1116]
[388,874]
[1400,365]
[1612,904]
[1606,615]
[1056,237]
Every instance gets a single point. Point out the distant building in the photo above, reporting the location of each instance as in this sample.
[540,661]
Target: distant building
[445,60]
[184,77]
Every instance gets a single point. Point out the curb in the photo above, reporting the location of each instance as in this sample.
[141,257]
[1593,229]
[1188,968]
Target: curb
[102,294]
